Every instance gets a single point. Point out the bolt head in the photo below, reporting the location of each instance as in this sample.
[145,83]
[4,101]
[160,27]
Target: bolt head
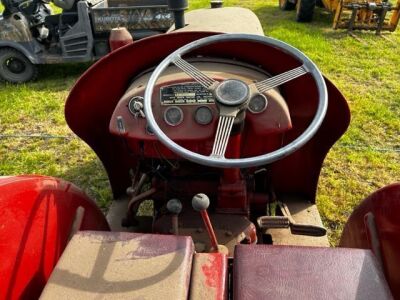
[200,202]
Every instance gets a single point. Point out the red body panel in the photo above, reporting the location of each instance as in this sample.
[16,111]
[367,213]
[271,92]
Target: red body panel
[209,276]
[384,204]
[36,219]
[92,101]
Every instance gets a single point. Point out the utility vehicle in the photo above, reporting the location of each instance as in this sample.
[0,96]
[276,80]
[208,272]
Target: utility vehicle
[213,138]
[30,34]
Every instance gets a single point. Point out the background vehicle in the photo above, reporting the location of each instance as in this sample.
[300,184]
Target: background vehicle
[361,15]
[248,206]
[31,35]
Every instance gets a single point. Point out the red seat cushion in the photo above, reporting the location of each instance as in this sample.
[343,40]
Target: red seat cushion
[280,272]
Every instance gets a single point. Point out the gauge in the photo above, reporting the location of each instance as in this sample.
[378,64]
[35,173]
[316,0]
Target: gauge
[203,115]
[135,105]
[258,104]
[173,115]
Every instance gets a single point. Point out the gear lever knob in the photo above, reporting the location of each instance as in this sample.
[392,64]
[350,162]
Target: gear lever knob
[200,202]
[174,206]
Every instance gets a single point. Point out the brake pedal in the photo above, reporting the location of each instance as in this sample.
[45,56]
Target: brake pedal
[298,228]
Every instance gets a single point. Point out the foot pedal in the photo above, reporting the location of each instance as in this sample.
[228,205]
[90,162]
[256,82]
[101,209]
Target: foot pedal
[287,221]
[311,230]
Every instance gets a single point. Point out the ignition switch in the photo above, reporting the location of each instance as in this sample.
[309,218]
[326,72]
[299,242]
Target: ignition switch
[135,106]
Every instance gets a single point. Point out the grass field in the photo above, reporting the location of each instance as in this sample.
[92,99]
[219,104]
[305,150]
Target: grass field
[365,159]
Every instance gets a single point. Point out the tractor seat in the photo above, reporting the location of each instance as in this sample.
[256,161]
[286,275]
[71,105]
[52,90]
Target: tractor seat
[287,272]
[121,265]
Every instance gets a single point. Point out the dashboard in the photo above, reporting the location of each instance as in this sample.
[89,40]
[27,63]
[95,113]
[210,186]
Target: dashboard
[185,111]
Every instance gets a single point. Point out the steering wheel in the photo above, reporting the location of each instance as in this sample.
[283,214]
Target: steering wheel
[232,96]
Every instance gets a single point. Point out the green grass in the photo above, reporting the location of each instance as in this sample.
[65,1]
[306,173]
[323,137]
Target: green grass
[365,159]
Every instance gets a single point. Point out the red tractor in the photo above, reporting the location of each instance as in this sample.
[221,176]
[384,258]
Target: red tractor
[213,137]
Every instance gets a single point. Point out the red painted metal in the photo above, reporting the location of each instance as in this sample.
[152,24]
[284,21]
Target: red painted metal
[119,37]
[36,219]
[233,150]
[232,191]
[264,124]
[94,97]
[215,272]
[210,230]
[232,197]
[384,204]
[287,272]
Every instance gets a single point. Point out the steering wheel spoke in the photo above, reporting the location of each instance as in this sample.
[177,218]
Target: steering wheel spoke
[193,72]
[224,128]
[277,80]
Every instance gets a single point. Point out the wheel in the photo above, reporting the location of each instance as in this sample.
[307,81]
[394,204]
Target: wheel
[305,10]
[232,97]
[286,5]
[15,67]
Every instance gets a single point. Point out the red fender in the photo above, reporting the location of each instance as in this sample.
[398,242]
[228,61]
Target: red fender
[384,205]
[36,218]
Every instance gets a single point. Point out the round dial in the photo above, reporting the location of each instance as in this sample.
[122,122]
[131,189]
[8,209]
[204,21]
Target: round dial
[203,115]
[258,103]
[173,115]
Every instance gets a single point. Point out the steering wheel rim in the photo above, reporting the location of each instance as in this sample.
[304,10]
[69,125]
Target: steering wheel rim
[259,160]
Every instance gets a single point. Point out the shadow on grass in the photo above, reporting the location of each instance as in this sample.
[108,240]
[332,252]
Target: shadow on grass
[52,78]
[51,71]
[91,177]
[58,77]
[273,18]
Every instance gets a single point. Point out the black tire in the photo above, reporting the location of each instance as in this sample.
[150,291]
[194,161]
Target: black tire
[286,5]
[15,67]
[305,10]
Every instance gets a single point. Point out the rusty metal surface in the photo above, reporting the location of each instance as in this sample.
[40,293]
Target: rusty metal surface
[122,266]
[209,277]
[281,272]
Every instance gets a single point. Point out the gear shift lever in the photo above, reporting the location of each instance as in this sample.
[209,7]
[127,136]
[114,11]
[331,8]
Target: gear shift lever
[174,206]
[200,203]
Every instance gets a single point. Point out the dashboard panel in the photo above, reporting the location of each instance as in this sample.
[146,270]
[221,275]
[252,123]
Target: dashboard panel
[186,112]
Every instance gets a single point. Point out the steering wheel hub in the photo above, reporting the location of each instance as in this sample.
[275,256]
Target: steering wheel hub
[232,92]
